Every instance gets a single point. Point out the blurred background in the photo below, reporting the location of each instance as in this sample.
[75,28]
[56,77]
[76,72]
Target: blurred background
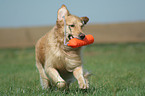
[22,23]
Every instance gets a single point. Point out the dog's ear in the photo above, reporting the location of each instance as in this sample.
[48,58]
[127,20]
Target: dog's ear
[85,20]
[62,12]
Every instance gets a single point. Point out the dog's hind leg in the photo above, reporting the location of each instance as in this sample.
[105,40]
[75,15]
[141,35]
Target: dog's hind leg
[56,78]
[44,80]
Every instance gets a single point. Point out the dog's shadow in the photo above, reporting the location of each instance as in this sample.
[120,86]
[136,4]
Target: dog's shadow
[68,91]
[78,91]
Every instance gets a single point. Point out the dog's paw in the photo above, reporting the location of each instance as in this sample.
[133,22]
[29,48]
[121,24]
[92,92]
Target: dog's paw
[83,86]
[45,84]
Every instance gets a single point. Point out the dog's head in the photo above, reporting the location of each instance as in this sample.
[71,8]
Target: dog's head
[73,25]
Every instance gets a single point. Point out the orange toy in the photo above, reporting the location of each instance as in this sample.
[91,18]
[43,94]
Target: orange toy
[74,43]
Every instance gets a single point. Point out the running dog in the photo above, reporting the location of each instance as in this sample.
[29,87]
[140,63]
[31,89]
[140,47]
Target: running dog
[58,63]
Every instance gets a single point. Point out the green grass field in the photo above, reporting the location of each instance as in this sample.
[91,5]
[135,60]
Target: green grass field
[118,70]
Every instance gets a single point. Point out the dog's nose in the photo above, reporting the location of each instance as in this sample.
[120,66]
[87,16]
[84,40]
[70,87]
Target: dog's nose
[82,36]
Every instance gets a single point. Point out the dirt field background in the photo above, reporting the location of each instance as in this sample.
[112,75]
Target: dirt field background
[103,33]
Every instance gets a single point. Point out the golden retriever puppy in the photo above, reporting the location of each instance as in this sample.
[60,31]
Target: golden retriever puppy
[58,63]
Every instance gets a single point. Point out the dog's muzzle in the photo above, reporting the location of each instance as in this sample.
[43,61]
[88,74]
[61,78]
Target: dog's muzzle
[81,36]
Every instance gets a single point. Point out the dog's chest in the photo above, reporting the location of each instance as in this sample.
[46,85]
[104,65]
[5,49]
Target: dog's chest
[67,61]
[72,60]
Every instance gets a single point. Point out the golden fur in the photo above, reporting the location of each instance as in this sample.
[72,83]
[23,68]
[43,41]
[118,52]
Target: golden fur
[56,62]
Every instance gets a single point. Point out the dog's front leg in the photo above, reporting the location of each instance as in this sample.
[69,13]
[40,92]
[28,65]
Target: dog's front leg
[55,77]
[78,74]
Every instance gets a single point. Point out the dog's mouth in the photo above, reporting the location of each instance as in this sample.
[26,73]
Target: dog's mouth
[70,36]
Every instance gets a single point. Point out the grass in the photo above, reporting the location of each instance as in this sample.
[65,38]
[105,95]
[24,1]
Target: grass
[118,70]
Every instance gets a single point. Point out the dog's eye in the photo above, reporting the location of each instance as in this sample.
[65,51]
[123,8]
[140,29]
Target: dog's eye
[72,25]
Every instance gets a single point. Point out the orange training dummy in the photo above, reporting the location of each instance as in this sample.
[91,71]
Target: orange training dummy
[74,43]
